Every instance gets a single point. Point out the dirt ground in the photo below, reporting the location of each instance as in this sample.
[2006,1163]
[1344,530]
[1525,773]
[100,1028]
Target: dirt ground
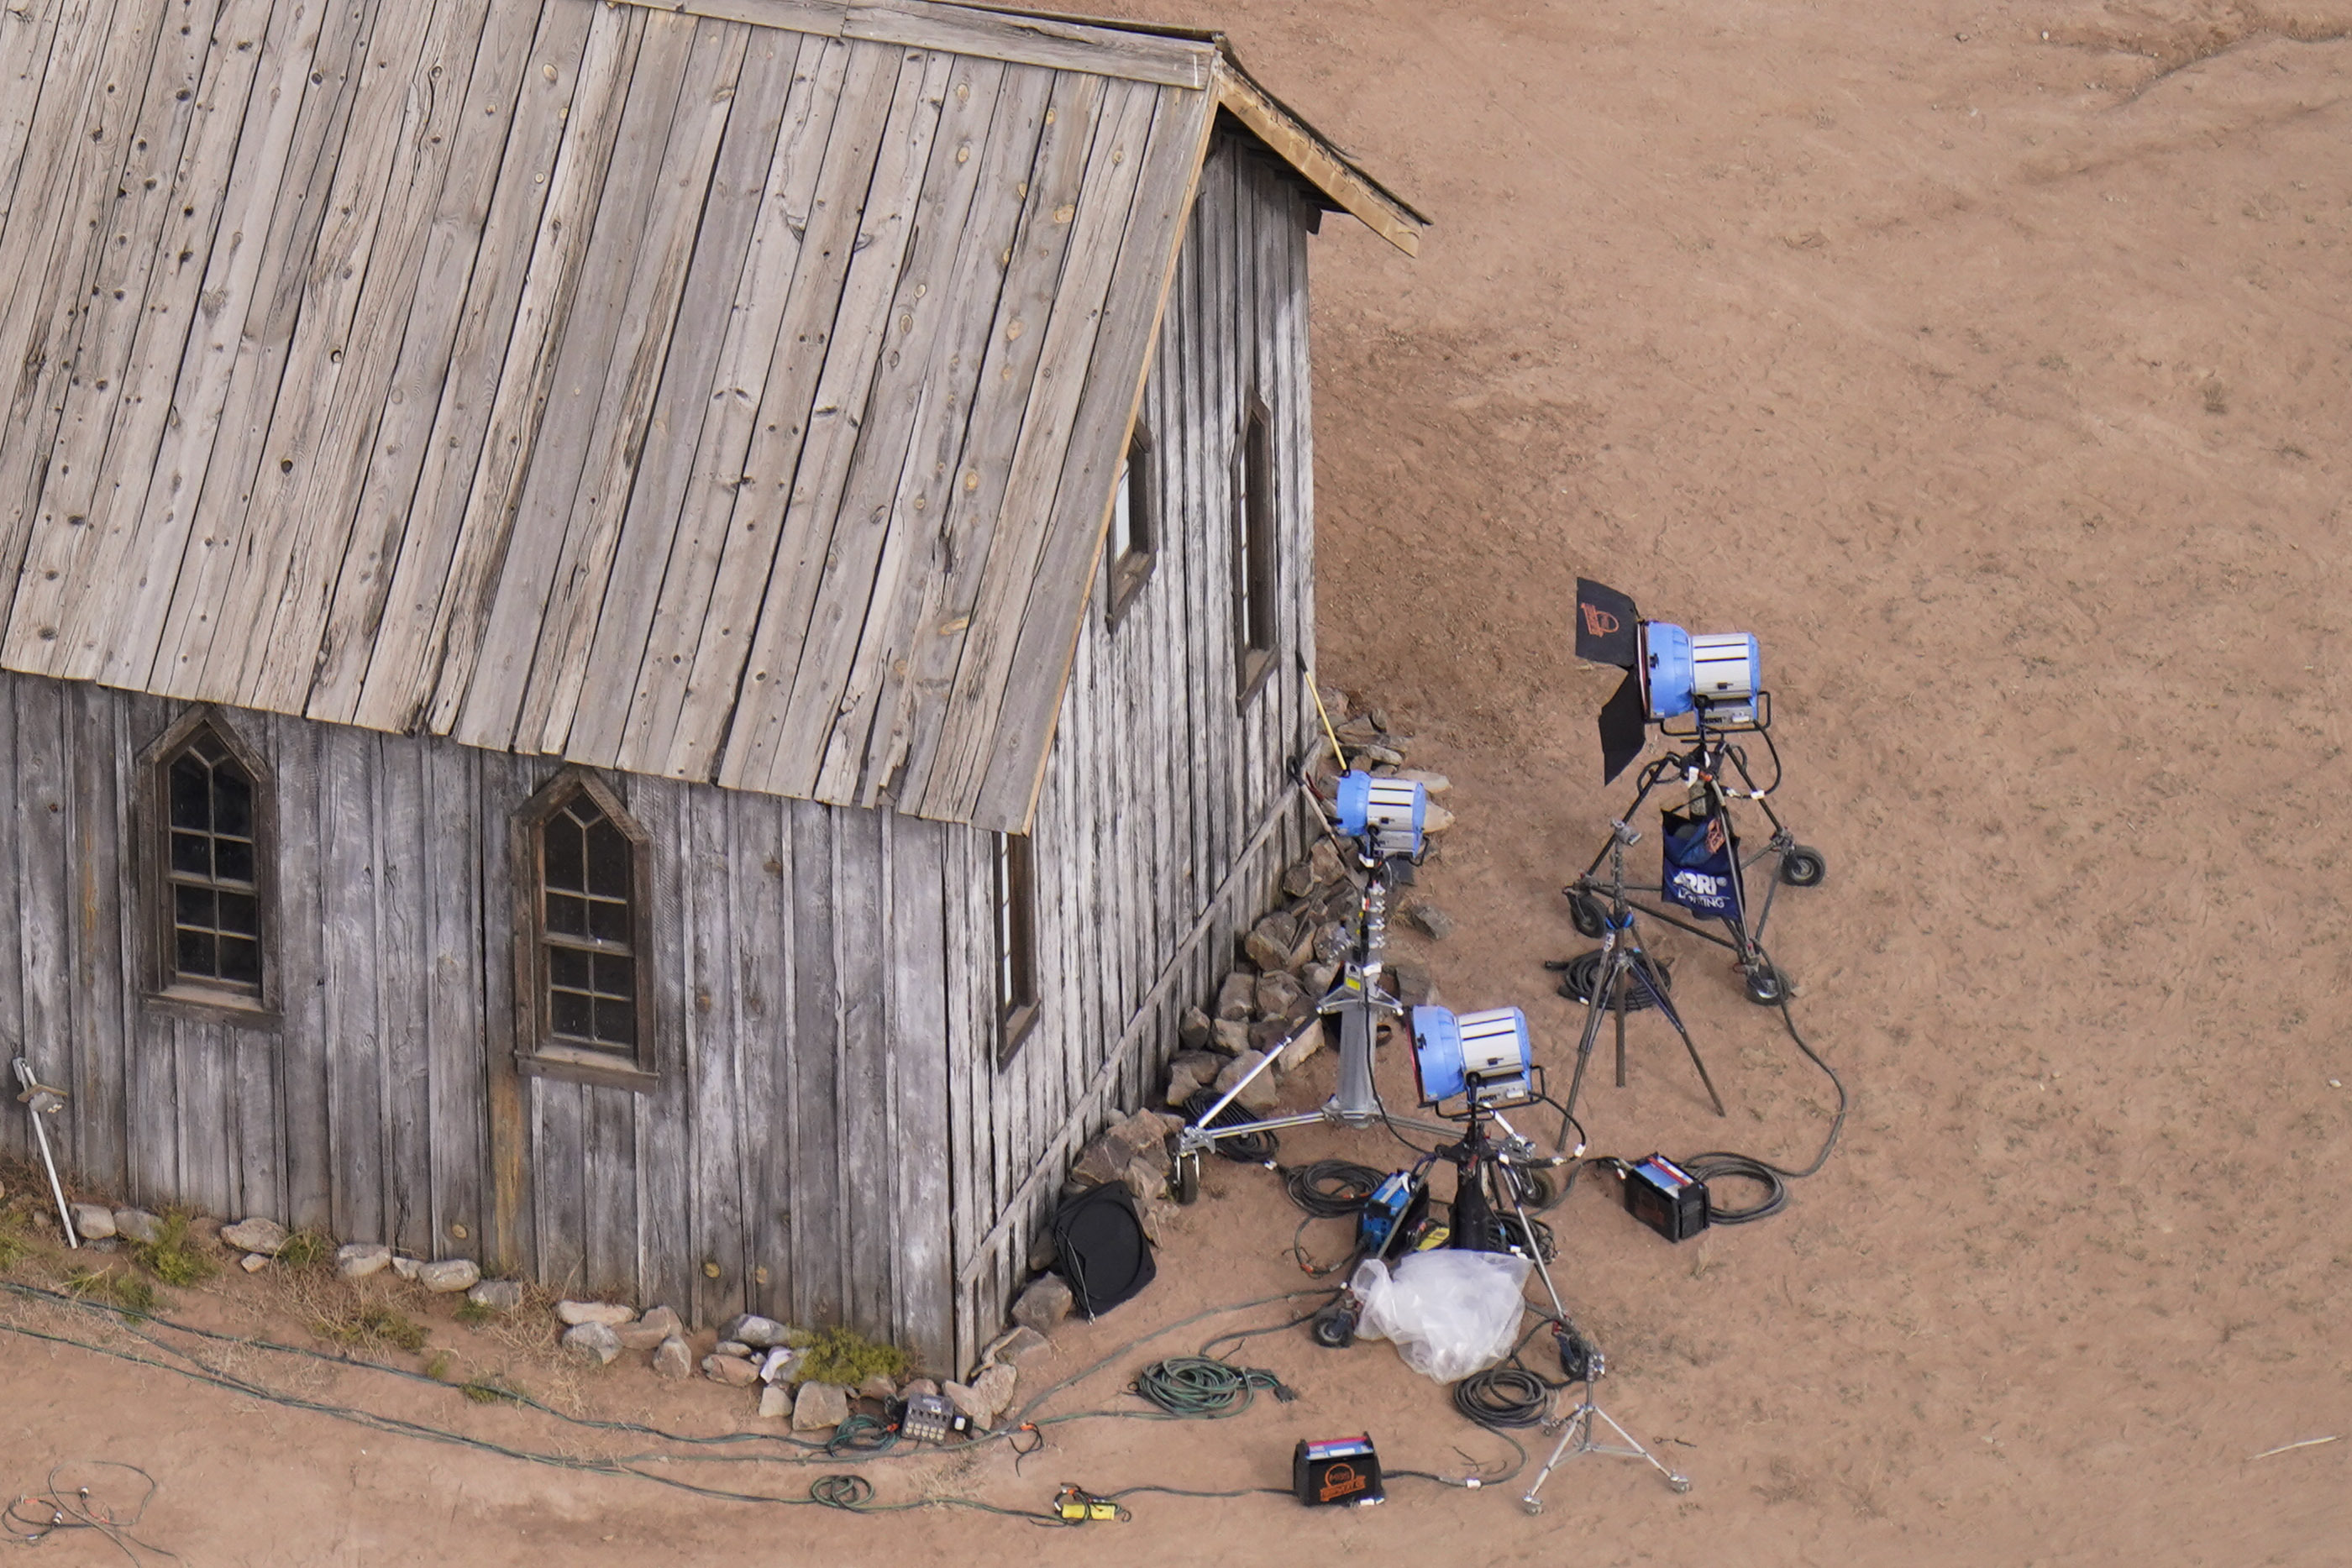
[1989,362]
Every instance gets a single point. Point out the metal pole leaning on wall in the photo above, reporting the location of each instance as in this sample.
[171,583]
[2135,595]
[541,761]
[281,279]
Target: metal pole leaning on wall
[41,1101]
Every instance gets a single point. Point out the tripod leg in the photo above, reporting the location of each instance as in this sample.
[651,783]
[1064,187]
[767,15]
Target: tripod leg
[1574,1427]
[1611,958]
[1639,965]
[1617,1006]
[1634,1449]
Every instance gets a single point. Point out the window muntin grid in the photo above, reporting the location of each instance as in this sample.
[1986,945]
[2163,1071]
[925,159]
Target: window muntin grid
[216,932]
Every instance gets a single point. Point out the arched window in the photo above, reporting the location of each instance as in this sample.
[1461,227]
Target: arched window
[208,889]
[583,874]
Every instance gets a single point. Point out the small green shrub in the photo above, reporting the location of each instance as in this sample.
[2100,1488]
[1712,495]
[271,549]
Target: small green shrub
[846,1357]
[473,1314]
[306,1250]
[369,1326]
[173,1256]
[439,1367]
[492,1390]
[127,1292]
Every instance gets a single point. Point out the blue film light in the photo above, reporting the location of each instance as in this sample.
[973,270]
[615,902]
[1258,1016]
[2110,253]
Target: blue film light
[1390,812]
[1721,670]
[1486,1056]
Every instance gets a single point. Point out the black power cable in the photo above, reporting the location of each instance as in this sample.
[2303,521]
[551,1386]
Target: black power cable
[1330,1189]
[1581,974]
[1504,1398]
[1718,1164]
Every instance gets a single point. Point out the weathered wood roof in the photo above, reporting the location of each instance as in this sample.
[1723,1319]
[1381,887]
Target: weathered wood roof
[728,391]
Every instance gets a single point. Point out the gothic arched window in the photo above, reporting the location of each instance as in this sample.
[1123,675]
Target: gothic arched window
[208,894]
[582,894]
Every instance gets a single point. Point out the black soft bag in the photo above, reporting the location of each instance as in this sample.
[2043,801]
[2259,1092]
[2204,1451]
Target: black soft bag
[1100,1248]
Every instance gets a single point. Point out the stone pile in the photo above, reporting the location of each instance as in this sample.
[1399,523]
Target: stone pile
[1293,956]
[759,1353]
[600,1330]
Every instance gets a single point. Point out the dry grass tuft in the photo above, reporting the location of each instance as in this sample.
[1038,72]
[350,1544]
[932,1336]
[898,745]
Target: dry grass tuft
[369,1325]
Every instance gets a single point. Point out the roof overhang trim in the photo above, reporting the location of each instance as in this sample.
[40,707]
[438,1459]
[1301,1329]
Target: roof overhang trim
[1166,57]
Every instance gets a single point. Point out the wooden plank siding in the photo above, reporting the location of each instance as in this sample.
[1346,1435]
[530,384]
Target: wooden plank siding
[831,1135]
[727,392]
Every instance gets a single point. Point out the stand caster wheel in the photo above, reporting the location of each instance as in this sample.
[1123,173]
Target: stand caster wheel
[1532,1504]
[1186,1182]
[1585,915]
[1804,867]
[1333,1328]
[1680,1483]
[1767,986]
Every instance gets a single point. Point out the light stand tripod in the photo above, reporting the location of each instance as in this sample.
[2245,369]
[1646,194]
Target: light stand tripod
[1578,1436]
[1359,1004]
[1625,966]
[1711,760]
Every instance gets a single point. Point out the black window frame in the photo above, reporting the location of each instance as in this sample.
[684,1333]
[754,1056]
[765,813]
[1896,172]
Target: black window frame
[166,988]
[538,1049]
[1257,576]
[1013,910]
[1130,567]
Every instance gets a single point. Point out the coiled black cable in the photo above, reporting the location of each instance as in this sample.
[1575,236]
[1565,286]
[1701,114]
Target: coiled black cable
[1713,1166]
[1330,1189]
[1504,1398]
[1583,973]
[1250,1149]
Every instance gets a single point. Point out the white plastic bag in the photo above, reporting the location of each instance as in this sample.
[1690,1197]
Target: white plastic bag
[1451,1313]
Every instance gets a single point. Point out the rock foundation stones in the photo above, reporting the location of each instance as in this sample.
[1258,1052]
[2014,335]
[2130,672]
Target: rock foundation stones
[263,1236]
[358,1259]
[757,1331]
[648,1331]
[593,1341]
[450,1274]
[1043,1304]
[819,1407]
[498,1295]
[606,1313]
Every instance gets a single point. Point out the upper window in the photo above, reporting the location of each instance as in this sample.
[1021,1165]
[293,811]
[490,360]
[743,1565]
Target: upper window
[1254,606]
[584,865]
[1016,889]
[1134,523]
[208,894]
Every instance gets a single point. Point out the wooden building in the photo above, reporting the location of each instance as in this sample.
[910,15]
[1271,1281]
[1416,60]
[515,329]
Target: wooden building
[652,644]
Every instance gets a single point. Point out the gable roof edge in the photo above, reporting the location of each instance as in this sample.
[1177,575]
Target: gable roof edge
[1320,163]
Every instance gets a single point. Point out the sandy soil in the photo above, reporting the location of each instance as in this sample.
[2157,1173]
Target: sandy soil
[1989,362]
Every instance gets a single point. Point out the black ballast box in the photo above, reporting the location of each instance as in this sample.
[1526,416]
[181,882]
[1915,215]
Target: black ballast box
[1666,1198]
[1337,1470]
